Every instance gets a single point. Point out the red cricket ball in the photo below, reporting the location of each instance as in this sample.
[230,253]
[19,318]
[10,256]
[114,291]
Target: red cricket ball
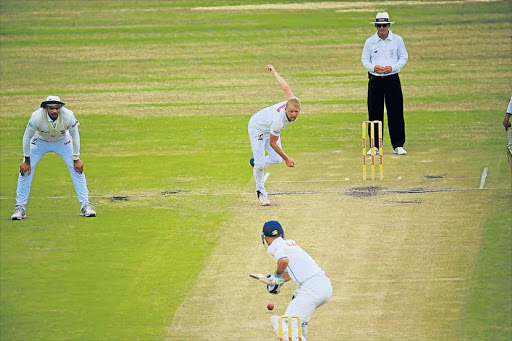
[270,306]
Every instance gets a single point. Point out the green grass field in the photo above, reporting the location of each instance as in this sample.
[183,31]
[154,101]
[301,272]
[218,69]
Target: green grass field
[164,91]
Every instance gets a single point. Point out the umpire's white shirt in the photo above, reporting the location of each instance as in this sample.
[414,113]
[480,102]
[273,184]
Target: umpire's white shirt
[390,51]
[301,266]
[269,120]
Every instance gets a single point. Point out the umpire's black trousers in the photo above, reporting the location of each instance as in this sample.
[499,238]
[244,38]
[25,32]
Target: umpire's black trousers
[389,90]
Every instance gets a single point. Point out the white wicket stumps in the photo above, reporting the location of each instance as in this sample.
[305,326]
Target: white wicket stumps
[372,148]
[290,318]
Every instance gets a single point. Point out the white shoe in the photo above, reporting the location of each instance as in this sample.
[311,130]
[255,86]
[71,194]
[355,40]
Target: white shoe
[263,199]
[400,151]
[369,152]
[18,213]
[88,211]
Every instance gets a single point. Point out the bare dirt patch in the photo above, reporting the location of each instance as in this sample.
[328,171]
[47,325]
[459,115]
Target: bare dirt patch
[363,191]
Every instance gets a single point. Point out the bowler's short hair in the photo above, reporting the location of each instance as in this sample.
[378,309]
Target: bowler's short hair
[294,103]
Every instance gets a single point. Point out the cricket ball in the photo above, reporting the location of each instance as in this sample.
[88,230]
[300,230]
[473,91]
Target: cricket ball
[270,306]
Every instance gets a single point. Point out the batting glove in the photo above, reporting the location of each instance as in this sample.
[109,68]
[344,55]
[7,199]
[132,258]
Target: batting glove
[277,279]
[273,288]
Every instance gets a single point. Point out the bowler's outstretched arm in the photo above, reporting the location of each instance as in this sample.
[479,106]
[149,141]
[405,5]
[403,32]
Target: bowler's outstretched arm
[284,85]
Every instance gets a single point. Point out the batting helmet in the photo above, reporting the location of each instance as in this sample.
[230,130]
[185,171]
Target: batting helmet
[272,228]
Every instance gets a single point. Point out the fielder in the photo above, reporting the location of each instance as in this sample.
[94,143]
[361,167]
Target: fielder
[52,128]
[264,132]
[294,263]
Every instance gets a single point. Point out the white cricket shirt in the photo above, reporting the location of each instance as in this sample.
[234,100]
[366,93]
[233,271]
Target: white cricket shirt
[301,266]
[390,51]
[42,127]
[270,120]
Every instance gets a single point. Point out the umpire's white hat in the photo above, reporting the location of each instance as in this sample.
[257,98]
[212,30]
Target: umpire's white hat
[52,100]
[382,18]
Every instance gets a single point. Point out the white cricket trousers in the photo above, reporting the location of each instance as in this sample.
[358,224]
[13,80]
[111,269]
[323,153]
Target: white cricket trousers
[259,143]
[63,147]
[313,293]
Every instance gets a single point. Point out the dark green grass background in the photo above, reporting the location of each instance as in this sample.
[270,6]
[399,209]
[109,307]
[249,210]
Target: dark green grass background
[164,94]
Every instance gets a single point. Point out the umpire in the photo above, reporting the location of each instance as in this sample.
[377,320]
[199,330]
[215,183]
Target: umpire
[384,55]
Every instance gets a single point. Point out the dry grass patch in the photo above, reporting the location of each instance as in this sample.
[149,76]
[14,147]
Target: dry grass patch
[341,6]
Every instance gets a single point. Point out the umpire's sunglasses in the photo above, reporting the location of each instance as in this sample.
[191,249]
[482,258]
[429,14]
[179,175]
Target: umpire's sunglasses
[381,25]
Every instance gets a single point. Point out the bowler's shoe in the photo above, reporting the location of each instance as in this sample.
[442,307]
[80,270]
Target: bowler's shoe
[263,199]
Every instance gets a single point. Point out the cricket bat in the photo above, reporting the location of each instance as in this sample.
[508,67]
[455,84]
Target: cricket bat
[261,278]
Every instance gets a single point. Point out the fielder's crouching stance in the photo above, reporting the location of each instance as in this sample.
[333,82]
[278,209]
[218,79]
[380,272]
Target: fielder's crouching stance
[294,263]
[52,128]
[264,131]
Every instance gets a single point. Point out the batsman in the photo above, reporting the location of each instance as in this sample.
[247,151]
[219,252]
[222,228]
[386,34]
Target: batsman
[265,130]
[293,263]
